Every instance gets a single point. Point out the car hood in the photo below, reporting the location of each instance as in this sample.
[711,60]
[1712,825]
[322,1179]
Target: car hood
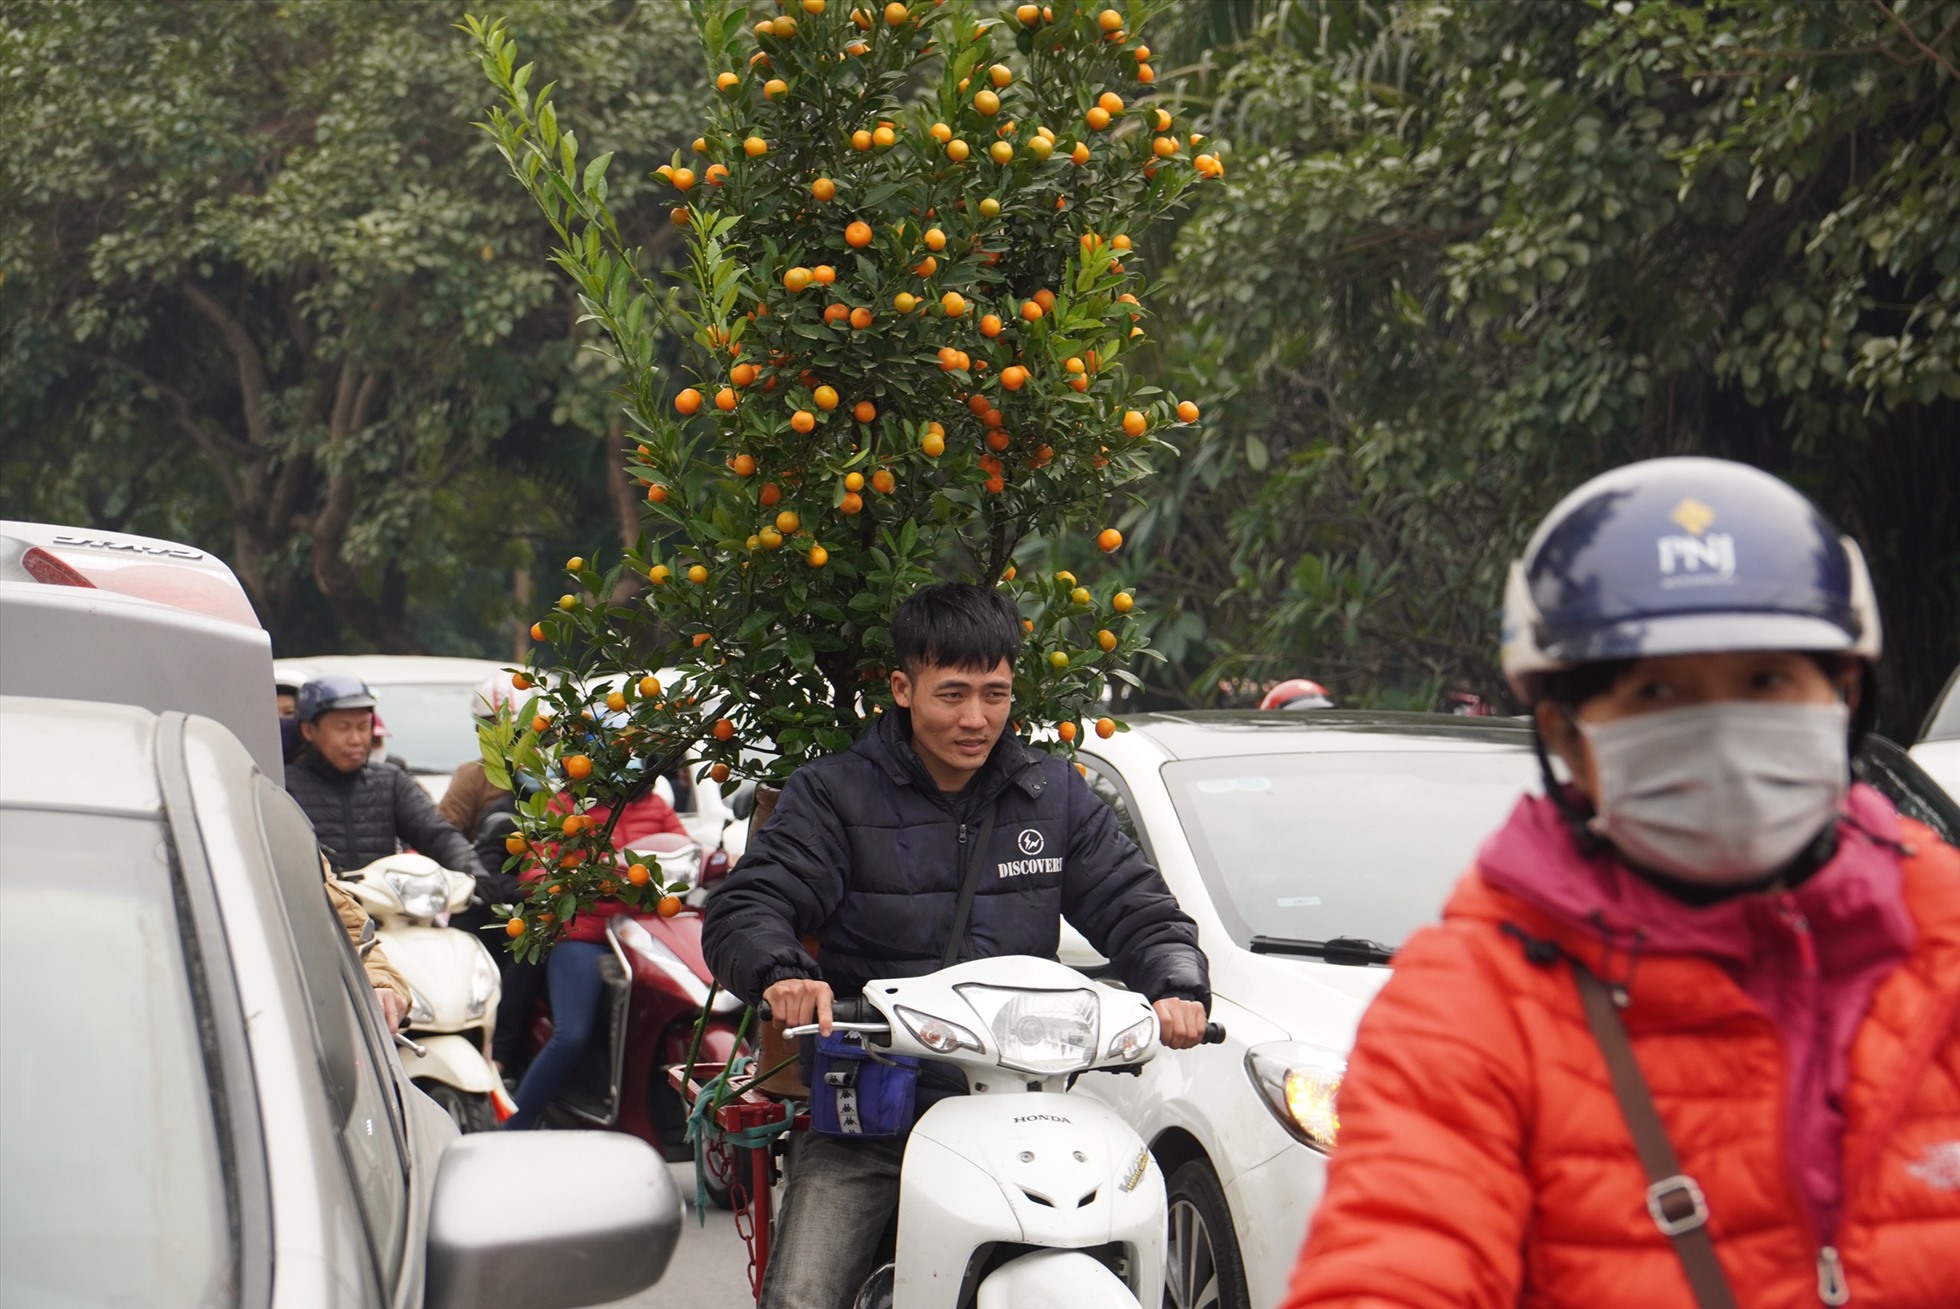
[1941,760]
[1309,999]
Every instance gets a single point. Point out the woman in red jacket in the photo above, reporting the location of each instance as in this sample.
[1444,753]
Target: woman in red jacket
[1689,1033]
[572,973]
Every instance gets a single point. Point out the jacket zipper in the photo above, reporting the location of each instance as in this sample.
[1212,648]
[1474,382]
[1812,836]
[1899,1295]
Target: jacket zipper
[347,820]
[1832,1288]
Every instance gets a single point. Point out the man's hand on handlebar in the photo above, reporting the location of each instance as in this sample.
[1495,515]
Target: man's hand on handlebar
[1180,1023]
[796,1001]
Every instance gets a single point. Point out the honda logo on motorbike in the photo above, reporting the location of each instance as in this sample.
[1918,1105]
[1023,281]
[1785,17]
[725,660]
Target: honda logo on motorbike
[1031,842]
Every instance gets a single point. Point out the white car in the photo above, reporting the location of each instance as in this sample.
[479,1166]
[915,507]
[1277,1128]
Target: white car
[1938,748]
[199,1102]
[425,701]
[1307,847]
[1300,843]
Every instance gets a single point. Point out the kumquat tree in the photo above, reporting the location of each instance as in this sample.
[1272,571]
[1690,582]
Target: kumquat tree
[912,286]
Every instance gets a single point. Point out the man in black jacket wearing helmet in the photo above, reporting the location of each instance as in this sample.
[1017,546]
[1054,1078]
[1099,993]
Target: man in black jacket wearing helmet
[362,811]
[866,853]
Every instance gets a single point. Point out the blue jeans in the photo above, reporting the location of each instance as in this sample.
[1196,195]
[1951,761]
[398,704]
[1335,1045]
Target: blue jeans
[572,973]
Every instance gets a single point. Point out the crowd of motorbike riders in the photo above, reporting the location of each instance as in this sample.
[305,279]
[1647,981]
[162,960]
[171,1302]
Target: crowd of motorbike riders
[1688,1031]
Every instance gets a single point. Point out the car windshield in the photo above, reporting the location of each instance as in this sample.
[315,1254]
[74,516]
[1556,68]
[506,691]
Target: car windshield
[111,1190]
[1313,846]
[429,723]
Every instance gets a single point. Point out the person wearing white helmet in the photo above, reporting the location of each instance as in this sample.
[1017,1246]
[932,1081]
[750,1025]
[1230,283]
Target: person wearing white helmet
[1689,1031]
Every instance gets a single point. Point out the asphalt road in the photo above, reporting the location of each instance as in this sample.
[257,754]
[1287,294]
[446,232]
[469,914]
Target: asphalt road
[709,1269]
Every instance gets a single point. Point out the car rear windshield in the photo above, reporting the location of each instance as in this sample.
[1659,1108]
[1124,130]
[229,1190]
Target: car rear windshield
[430,724]
[111,1185]
[1313,846]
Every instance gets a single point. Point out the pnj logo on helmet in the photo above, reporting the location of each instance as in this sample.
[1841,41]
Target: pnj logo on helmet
[1697,560]
[1700,558]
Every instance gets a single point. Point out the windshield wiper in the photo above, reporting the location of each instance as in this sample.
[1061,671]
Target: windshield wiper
[1355,950]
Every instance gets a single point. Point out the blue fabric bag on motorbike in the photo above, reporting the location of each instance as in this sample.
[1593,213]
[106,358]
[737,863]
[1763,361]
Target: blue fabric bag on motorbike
[857,1091]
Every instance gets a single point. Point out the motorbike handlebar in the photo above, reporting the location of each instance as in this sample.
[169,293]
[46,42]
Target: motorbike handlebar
[857,1009]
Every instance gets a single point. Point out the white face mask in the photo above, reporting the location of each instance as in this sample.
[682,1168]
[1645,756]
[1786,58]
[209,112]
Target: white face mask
[1719,794]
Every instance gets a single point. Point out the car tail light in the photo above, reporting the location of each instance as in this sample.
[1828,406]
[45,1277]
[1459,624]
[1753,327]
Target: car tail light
[44,567]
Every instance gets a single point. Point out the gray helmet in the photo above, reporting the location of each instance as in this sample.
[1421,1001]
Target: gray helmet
[332,691]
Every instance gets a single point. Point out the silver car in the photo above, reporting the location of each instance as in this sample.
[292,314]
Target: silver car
[199,1104]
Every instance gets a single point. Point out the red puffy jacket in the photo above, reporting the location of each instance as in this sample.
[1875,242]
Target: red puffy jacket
[643,818]
[1484,1161]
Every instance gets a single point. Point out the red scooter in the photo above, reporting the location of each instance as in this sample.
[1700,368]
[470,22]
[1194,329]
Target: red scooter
[656,985]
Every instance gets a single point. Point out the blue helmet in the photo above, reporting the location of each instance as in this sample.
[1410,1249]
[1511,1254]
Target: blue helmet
[331,691]
[1683,556]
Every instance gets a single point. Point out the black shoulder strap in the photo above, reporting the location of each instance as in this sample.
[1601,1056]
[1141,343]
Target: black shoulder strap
[969,884]
[1673,1198]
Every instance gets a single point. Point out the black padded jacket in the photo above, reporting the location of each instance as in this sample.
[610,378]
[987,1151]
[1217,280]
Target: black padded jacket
[865,854]
[367,814]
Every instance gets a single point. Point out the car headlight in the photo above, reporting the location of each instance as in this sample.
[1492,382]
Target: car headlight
[484,982]
[935,1033]
[419,1009]
[1130,1043]
[1299,1083]
[423,895]
[1042,1032]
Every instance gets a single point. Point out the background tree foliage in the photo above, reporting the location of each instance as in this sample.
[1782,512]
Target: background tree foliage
[265,291]
[1470,254]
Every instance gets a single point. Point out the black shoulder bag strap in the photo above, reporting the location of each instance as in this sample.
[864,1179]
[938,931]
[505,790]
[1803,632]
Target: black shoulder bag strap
[1673,1198]
[969,884]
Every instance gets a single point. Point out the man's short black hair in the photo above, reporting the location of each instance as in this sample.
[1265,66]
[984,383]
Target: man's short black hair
[956,625]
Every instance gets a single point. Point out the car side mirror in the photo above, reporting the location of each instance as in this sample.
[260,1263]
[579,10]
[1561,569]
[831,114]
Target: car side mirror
[742,803]
[548,1220]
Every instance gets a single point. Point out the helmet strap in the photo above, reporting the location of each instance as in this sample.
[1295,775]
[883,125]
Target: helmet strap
[1575,815]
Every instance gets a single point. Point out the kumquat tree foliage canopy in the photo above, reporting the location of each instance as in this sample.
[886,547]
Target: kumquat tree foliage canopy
[914,281]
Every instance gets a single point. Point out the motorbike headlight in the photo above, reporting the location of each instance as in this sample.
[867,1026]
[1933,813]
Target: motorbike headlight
[1132,1041]
[423,895]
[1299,1083]
[419,1009]
[935,1033]
[1042,1032]
[484,982]
[683,868]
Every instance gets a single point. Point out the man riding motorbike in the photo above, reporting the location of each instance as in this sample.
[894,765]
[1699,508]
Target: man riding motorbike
[1689,1032]
[866,852]
[362,810]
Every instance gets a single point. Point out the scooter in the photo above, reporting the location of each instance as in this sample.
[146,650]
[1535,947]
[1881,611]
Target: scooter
[656,986]
[1018,1194]
[453,983]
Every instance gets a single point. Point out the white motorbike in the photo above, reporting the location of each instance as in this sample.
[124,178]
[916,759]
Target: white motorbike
[1019,1194]
[453,983]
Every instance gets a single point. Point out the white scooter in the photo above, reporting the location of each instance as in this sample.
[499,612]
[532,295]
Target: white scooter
[453,983]
[1018,1195]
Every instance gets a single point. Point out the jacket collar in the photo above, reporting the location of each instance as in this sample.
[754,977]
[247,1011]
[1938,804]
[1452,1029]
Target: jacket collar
[889,745]
[1854,903]
[316,763]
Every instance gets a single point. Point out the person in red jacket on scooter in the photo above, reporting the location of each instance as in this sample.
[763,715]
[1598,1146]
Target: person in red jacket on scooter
[572,975]
[1689,1031]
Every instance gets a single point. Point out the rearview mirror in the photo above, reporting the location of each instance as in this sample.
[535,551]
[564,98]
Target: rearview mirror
[742,803]
[548,1220]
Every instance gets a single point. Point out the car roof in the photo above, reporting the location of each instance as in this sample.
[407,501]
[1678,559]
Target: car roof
[1223,733]
[78,754]
[389,670]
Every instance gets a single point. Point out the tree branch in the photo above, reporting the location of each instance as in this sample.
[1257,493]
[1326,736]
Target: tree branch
[1913,37]
[251,363]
